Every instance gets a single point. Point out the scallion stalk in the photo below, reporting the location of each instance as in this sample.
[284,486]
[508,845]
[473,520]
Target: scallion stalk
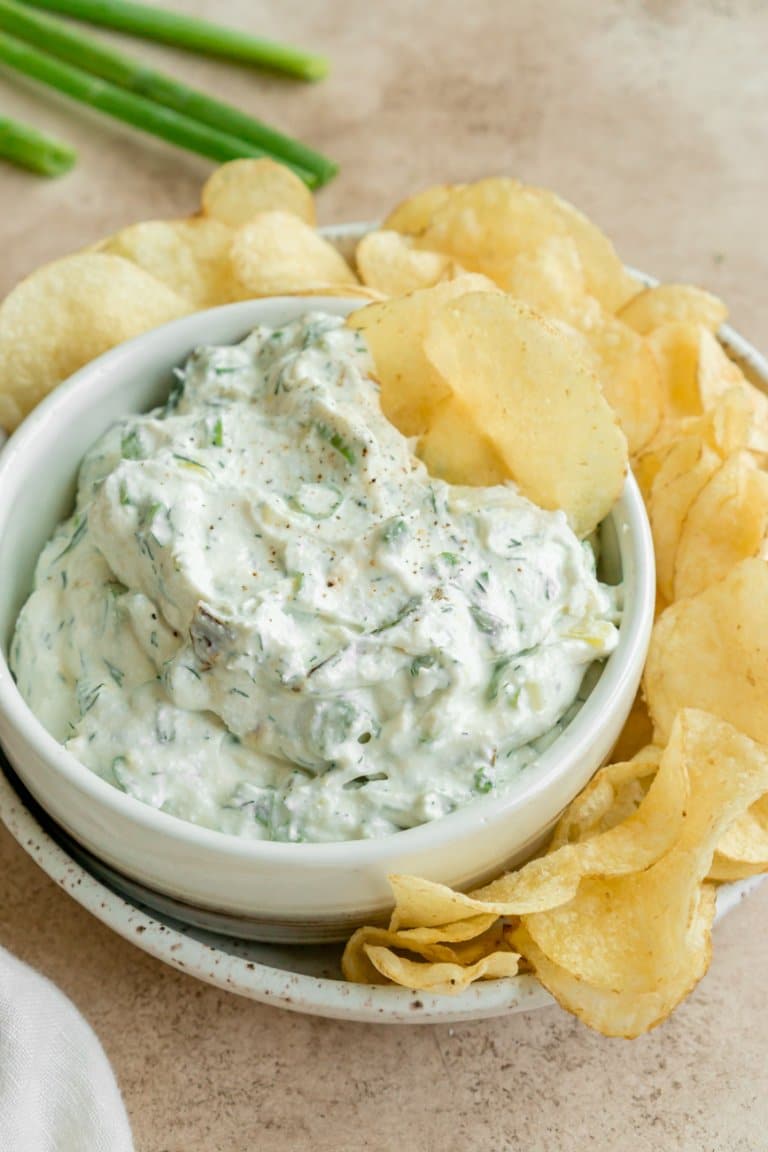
[89,54]
[184,31]
[28,148]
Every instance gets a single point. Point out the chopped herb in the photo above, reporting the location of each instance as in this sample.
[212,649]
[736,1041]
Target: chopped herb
[131,446]
[116,673]
[188,462]
[217,436]
[449,558]
[124,497]
[485,621]
[481,582]
[394,531]
[421,662]
[338,442]
[409,607]
[482,782]
[81,527]
[494,684]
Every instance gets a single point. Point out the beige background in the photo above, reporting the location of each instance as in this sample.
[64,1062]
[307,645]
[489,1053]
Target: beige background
[651,117]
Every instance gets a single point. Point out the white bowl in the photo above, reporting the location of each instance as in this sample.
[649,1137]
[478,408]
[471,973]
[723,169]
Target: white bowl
[274,891]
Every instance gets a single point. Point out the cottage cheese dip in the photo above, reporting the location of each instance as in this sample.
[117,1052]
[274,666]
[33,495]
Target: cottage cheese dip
[265,617]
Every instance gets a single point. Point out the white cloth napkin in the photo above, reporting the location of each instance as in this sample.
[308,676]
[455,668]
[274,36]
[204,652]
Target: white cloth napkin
[57,1090]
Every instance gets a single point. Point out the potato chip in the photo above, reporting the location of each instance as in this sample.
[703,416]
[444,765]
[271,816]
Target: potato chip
[552,880]
[745,841]
[686,469]
[454,448]
[718,376]
[275,254]
[604,274]
[526,389]
[725,871]
[434,944]
[673,303]
[66,314]
[485,226]
[627,1013]
[413,215]
[551,280]
[614,794]
[630,378]
[632,932]
[711,651]
[394,332]
[676,350]
[388,262]
[726,523]
[239,190]
[190,256]
[440,977]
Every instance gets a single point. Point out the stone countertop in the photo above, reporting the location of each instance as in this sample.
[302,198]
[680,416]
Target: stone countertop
[651,117]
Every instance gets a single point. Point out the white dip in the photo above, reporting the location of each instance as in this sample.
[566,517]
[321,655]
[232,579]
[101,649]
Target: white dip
[265,616]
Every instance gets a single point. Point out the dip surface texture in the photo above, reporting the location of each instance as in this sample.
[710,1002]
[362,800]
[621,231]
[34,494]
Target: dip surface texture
[265,617]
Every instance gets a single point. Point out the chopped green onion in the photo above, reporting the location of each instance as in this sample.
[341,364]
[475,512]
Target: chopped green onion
[28,148]
[183,31]
[81,51]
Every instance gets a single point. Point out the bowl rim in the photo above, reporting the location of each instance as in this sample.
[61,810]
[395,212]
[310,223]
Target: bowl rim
[554,762]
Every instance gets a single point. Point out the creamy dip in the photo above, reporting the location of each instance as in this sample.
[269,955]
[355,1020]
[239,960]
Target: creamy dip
[265,617]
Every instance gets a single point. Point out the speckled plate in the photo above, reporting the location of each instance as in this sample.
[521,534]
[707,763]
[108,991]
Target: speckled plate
[300,978]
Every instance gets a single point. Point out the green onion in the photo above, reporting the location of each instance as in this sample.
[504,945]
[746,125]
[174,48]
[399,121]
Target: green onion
[27,148]
[125,106]
[189,32]
[91,56]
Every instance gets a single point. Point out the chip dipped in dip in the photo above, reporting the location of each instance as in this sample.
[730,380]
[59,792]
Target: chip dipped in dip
[267,618]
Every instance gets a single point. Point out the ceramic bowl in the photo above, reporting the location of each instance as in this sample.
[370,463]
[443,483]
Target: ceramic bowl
[265,890]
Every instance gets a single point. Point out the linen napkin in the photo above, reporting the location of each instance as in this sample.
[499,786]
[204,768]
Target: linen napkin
[57,1090]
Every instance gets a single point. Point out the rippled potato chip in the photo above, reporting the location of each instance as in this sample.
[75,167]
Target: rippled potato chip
[454,447]
[685,470]
[394,330]
[726,523]
[239,190]
[526,388]
[552,880]
[718,376]
[745,841]
[445,977]
[276,254]
[711,651]
[630,378]
[389,263]
[551,279]
[673,303]
[66,314]
[676,349]
[190,256]
[644,934]
[413,215]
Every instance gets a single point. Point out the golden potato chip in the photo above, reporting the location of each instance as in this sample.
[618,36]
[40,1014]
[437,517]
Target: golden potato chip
[454,447]
[604,274]
[394,332]
[686,469]
[630,378]
[527,389]
[673,303]
[434,944]
[440,977]
[552,880]
[239,190]
[320,289]
[190,256]
[718,376]
[551,280]
[726,523]
[487,225]
[711,651]
[614,794]
[725,871]
[627,1013]
[745,841]
[632,932]
[676,350]
[388,262]
[275,254]
[66,314]
[414,214]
